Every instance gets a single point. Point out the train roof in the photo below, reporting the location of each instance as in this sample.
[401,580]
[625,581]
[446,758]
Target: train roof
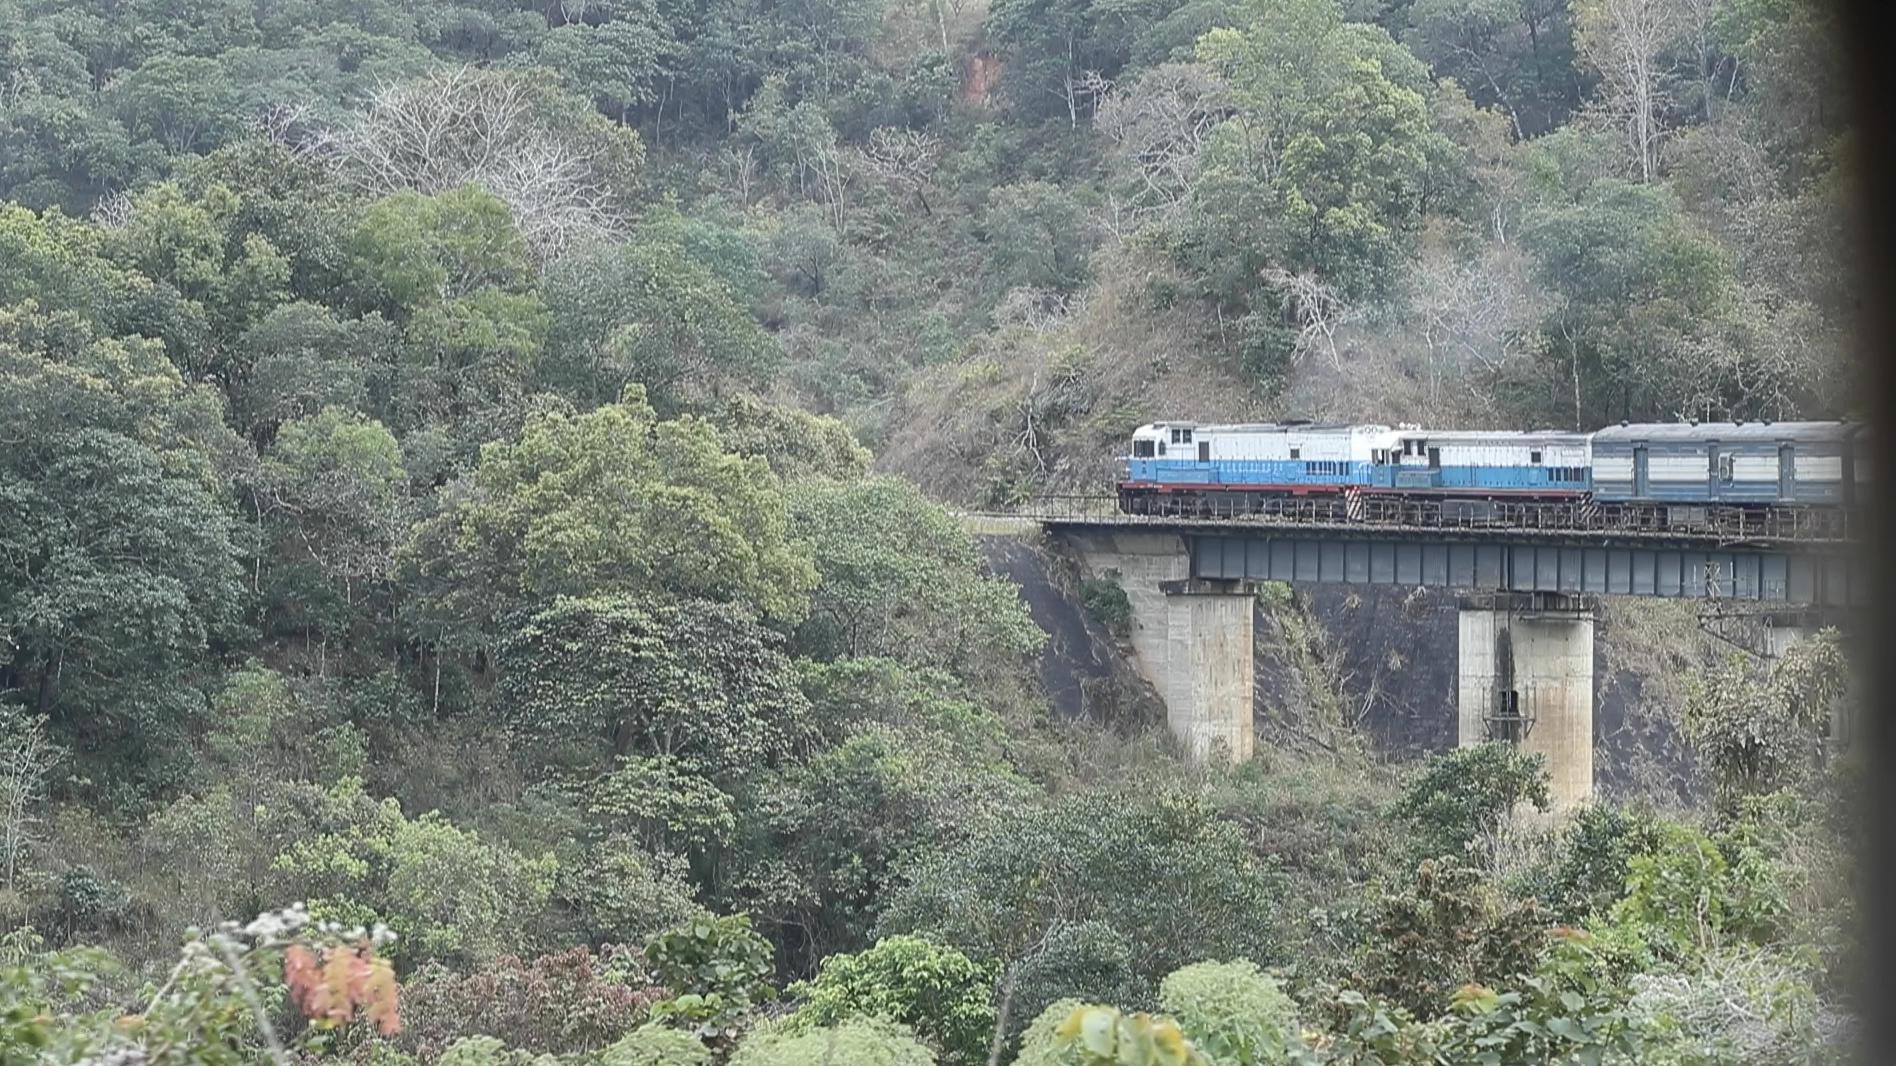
[1496,434]
[1266,427]
[1727,432]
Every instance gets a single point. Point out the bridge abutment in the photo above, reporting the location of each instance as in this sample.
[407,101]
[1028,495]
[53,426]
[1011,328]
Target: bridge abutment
[1526,676]
[1191,640]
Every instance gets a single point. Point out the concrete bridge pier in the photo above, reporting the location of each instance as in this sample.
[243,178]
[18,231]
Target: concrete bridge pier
[1210,662]
[1191,639]
[1526,677]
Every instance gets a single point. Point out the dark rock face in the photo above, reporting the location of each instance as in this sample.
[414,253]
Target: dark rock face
[1382,659]
[1394,653]
[1082,671]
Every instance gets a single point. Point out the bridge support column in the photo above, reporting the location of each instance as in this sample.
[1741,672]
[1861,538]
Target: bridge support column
[1209,667]
[1191,640]
[1527,677]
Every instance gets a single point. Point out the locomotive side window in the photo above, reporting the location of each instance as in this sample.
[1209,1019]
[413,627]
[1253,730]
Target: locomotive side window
[1534,457]
[1296,453]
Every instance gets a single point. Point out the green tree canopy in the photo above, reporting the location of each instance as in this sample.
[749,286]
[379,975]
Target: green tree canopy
[609,501]
[1636,280]
[650,312]
[899,577]
[699,682]
[121,559]
[1161,868]
[944,996]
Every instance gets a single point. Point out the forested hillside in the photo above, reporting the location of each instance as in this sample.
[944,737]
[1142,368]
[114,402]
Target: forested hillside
[475,492]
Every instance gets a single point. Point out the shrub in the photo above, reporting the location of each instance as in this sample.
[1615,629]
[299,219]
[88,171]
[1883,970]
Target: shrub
[1236,1015]
[1587,872]
[556,1004]
[1448,927]
[946,997]
[718,969]
[1106,602]
[1162,869]
[1078,960]
[1689,896]
[655,1045]
[859,1042]
[1463,796]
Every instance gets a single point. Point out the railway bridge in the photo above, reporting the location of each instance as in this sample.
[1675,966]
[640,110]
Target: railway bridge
[1528,588]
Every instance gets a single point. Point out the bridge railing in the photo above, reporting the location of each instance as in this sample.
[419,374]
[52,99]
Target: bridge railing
[1715,522]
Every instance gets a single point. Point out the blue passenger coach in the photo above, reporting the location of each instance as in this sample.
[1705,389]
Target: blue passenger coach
[1730,462]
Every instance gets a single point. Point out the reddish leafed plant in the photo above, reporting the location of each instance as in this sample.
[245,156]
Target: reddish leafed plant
[334,985]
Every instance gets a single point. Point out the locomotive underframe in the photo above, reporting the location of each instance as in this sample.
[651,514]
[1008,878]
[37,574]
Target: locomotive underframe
[1434,508]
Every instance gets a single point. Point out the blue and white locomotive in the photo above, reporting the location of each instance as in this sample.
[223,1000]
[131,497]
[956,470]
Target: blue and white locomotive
[1649,470]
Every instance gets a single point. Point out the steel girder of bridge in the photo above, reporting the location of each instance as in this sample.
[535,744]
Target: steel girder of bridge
[1498,564]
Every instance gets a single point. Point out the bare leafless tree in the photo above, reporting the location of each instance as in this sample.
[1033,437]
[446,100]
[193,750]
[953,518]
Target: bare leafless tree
[1474,316]
[827,171]
[292,125]
[113,210]
[1159,127]
[27,757]
[1038,310]
[903,158]
[464,126]
[1315,307]
[1627,41]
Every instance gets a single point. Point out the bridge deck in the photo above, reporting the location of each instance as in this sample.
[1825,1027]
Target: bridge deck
[1317,547]
[1551,523]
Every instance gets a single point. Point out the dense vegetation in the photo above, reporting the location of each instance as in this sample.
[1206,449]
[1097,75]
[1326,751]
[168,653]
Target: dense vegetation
[474,568]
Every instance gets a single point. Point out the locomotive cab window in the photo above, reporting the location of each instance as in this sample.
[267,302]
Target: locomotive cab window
[1142,449]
